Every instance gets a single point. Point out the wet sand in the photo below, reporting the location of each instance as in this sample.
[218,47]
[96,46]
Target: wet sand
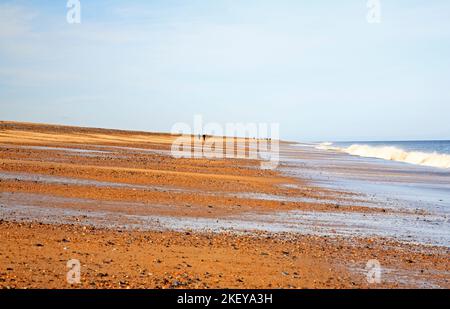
[137,217]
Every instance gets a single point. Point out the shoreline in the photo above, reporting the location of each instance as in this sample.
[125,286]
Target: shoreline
[84,179]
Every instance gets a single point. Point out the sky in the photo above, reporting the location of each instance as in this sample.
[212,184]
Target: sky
[317,68]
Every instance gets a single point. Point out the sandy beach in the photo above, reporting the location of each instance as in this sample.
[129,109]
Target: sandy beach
[136,217]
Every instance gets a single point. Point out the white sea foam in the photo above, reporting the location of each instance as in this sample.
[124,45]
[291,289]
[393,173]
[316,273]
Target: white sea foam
[393,153]
[327,146]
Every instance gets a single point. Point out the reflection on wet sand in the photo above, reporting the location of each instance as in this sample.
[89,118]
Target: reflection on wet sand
[429,230]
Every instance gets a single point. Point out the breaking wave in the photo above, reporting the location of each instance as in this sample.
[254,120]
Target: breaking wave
[393,154]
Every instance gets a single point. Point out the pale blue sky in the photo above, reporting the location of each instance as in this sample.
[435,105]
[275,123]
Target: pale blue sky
[316,67]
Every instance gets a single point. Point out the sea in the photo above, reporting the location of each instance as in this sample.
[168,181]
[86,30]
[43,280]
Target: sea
[426,153]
